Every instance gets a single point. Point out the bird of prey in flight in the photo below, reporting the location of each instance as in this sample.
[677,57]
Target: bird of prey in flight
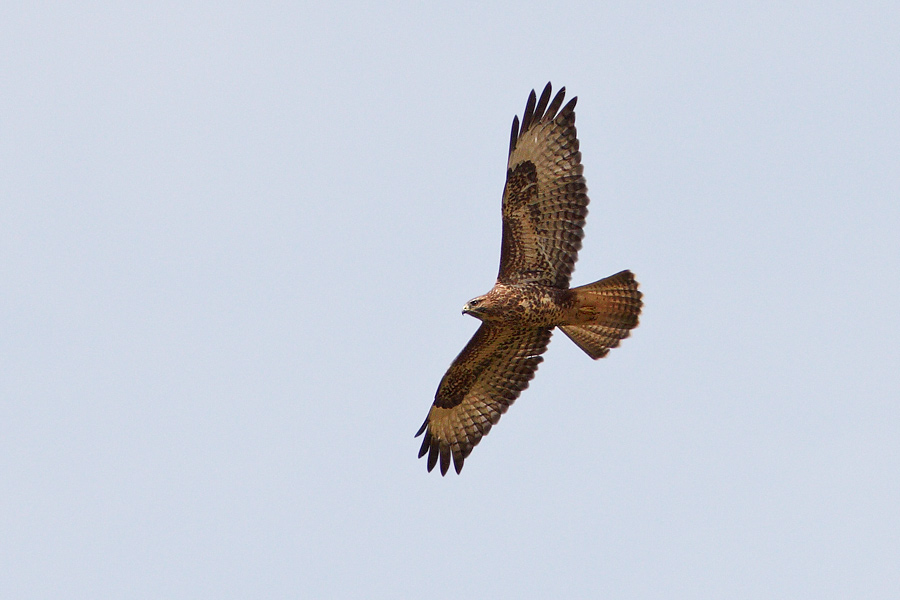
[544,206]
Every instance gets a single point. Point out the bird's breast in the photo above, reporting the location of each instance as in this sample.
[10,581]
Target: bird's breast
[527,305]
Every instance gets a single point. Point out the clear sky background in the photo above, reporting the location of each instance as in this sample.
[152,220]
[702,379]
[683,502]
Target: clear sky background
[235,240]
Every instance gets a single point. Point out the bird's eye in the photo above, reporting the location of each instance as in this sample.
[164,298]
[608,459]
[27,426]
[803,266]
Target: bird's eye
[473,302]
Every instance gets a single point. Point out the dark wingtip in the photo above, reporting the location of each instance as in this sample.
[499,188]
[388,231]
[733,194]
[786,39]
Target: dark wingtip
[514,135]
[445,459]
[458,460]
[529,111]
[554,106]
[426,442]
[432,454]
[422,428]
[569,108]
[542,103]
[538,111]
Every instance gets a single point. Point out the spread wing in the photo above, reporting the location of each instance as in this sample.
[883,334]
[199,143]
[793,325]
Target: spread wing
[545,198]
[486,377]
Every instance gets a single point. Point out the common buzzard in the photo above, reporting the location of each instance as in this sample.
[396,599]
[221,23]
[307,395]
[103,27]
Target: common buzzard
[544,206]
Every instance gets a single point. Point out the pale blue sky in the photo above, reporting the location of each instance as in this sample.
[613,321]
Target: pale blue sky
[234,245]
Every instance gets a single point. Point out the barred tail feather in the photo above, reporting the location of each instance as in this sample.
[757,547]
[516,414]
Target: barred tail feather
[607,311]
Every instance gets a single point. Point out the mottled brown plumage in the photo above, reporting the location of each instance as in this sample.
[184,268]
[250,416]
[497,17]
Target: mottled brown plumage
[544,207]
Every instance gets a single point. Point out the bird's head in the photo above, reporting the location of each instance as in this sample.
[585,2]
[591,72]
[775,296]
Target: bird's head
[477,307]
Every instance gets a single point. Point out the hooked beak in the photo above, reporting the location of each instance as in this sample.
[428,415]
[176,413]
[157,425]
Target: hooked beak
[474,311]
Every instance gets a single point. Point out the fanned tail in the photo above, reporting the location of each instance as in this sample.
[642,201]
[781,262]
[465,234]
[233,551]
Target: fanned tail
[606,312]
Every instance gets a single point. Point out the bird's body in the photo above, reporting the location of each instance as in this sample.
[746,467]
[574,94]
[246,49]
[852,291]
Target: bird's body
[544,206]
[522,305]
[536,305]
